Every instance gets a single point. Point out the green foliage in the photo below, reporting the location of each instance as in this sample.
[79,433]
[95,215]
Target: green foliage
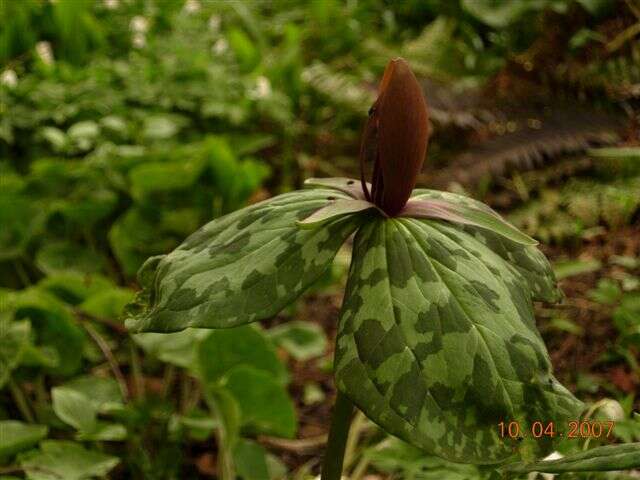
[17,436]
[610,457]
[579,206]
[220,277]
[61,459]
[302,340]
[125,126]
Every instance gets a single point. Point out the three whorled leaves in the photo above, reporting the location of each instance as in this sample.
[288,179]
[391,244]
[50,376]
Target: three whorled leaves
[437,341]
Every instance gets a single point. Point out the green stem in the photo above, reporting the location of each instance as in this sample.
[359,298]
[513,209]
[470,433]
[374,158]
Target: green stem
[340,423]
[225,437]
[21,400]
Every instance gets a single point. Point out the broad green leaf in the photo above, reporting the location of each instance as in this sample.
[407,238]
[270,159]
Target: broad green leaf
[457,209]
[53,326]
[250,459]
[74,408]
[86,204]
[134,237]
[109,303]
[14,339]
[265,405]
[530,262]
[437,341]
[569,268]
[17,436]
[350,186]
[103,393]
[303,340]
[226,409]
[502,14]
[62,256]
[600,459]
[74,287]
[243,267]
[177,348]
[103,432]
[198,424]
[153,177]
[21,221]
[394,456]
[57,460]
[225,349]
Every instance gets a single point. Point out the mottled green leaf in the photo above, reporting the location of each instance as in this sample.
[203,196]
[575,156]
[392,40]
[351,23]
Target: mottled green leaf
[458,209]
[600,459]
[62,460]
[437,341]
[335,208]
[530,262]
[17,436]
[350,186]
[243,267]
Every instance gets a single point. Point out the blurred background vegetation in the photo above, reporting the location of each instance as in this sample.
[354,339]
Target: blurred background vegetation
[127,124]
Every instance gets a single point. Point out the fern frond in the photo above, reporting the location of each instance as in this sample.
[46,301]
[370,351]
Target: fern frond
[527,142]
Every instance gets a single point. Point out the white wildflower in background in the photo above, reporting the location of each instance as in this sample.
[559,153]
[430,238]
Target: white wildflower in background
[220,46]
[191,6]
[262,88]
[214,23]
[139,24]
[9,78]
[44,51]
[139,40]
[111,4]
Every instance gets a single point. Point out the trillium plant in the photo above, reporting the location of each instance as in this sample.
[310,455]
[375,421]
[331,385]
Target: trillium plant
[437,342]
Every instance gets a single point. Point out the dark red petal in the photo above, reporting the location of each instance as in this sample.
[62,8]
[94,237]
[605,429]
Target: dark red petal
[402,135]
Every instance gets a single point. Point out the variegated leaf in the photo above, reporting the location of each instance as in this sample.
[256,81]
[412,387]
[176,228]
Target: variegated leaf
[351,187]
[335,209]
[464,210]
[437,341]
[243,267]
[525,259]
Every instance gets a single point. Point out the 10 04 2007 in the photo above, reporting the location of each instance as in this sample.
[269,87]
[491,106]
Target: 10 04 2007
[572,429]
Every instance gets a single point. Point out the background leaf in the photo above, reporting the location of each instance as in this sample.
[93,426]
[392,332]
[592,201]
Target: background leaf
[58,459]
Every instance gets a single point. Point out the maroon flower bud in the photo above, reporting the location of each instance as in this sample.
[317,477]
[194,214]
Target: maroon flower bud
[395,138]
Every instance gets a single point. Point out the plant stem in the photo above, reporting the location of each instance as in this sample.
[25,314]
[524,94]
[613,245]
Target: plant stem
[357,426]
[136,371]
[340,423]
[108,355]
[21,400]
